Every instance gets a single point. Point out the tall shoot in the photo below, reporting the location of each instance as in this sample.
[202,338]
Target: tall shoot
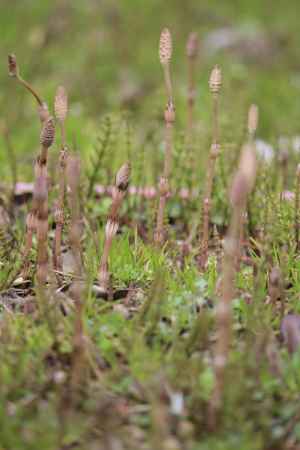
[215,83]
[73,179]
[113,222]
[43,112]
[242,185]
[165,54]
[40,209]
[252,124]
[61,111]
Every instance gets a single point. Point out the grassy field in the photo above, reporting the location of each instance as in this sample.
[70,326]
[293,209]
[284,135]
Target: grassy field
[124,353]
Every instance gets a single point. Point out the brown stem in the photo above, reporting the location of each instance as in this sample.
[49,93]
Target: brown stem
[112,225]
[216,118]
[207,204]
[168,82]
[164,181]
[215,85]
[242,185]
[103,268]
[31,90]
[223,313]
[41,198]
[159,233]
[73,177]
[59,213]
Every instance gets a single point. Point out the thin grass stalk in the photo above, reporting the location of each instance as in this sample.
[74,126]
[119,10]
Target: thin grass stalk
[242,185]
[215,83]
[113,222]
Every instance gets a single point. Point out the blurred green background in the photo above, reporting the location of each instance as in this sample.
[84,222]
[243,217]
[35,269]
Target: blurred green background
[105,53]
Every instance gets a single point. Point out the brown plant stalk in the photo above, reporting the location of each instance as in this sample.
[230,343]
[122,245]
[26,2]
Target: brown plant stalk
[40,201]
[14,72]
[112,225]
[43,113]
[241,187]
[215,83]
[32,220]
[165,54]
[61,111]
[73,179]
[252,124]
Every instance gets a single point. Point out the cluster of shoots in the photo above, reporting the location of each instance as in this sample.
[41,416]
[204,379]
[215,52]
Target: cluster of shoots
[69,187]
